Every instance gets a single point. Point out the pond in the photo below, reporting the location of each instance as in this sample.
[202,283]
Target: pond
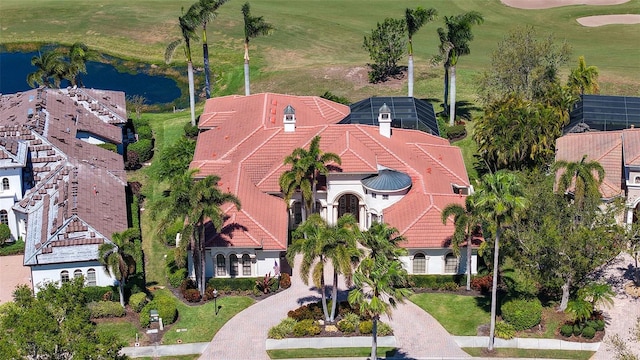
[157,89]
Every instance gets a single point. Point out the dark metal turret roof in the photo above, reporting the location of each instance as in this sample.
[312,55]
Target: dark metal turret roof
[387,180]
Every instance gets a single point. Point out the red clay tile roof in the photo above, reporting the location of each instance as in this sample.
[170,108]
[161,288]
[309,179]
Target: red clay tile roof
[604,147]
[246,149]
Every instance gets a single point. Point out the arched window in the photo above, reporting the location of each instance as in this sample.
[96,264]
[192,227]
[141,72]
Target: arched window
[77,273]
[419,264]
[64,276]
[246,265]
[4,217]
[91,277]
[221,266]
[450,264]
[349,203]
[233,265]
[5,184]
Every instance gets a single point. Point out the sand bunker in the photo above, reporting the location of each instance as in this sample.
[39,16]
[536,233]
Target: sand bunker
[601,20]
[546,4]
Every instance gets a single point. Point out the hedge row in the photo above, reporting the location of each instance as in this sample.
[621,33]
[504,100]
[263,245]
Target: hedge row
[167,310]
[435,281]
[105,309]
[233,284]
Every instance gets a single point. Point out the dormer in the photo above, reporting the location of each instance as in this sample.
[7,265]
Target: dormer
[384,120]
[289,119]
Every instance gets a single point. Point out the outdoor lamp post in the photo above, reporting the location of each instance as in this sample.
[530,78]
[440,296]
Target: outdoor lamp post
[215,300]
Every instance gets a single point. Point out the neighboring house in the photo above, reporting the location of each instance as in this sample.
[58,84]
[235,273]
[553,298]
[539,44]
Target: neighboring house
[603,127]
[619,154]
[402,177]
[61,193]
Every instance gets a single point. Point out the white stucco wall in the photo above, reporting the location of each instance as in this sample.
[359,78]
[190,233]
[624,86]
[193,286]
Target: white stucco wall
[262,262]
[9,197]
[435,261]
[51,272]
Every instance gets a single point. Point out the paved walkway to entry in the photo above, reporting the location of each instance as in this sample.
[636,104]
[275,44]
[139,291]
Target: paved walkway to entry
[418,334]
[12,274]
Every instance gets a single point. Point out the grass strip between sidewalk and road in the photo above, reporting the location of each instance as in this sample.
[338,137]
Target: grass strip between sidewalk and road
[530,353]
[329,352]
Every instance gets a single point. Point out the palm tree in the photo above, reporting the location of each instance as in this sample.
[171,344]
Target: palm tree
[415,18]
[188,23]
[499,199]
[584,79]
[341,250]
[195,202]
[382,241]
[50,70]
[586,186]
[377,290]
[253,27]
[309,239]
[454,42]
[205,12]
[79,54]
[117,256]
[306,167]
[467,222]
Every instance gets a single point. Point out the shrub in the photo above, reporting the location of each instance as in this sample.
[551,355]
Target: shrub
[166,306]
[456,132]
[599,325]
[192,295]
[5,233]
[177,277]
[349,323]
[107,296]
[311,311]
[522,314]
[133,160]
[97,293]
[13,248]
[282,330]
[232,284]
[588,332]
[188,284]
[144,132]
[365,327]
[266,284]
[285,281]
[448,286]
[306,328]
[566,330]
[577,330]
[137,301]
[482,283]
[384,329]
[433,282]
[505,330]
[190,131]
[171,232]
[144,149]
[105,309]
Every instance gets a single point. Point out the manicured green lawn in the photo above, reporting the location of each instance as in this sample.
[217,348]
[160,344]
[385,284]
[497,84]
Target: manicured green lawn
[331,352]
[182,357]
[123,331]
[459,315]
[201,322]
[531,353]
[469,148]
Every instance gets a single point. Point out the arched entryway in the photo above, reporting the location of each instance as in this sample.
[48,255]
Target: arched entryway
[349,204]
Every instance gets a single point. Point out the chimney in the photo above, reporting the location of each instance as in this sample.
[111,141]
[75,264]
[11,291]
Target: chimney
[289,119]
[384,120]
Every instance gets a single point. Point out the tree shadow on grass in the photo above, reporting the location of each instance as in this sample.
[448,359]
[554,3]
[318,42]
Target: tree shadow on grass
[397,354]
[484,302]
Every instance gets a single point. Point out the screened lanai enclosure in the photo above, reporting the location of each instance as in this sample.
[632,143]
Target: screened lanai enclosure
[604,113]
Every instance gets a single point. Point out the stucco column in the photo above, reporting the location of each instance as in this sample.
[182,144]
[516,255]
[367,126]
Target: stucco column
[362,222]
[629,215]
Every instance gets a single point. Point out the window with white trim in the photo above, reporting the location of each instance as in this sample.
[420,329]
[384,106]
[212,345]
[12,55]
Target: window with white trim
[64,276]
[233,265]
[246,265]
[4,217]
[77,273]
[419,264]
[221,266]
[450,264]
[5,184]
[91,277]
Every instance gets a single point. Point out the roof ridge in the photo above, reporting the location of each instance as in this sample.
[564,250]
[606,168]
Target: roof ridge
[263,229]
[440,162]
[420,216]
[619,142]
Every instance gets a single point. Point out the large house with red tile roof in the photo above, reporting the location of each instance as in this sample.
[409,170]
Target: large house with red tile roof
[619,154]
[61,193]
[399,176]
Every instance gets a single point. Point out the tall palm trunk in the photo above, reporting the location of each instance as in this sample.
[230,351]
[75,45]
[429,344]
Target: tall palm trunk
[410,75]
[323,290]
[192,91]
[452,96]
[469,263]
[121,291]
[446,89]
[374,338]
[247,92]
[334,296]
[494,291]
[205,54]
[203,264]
